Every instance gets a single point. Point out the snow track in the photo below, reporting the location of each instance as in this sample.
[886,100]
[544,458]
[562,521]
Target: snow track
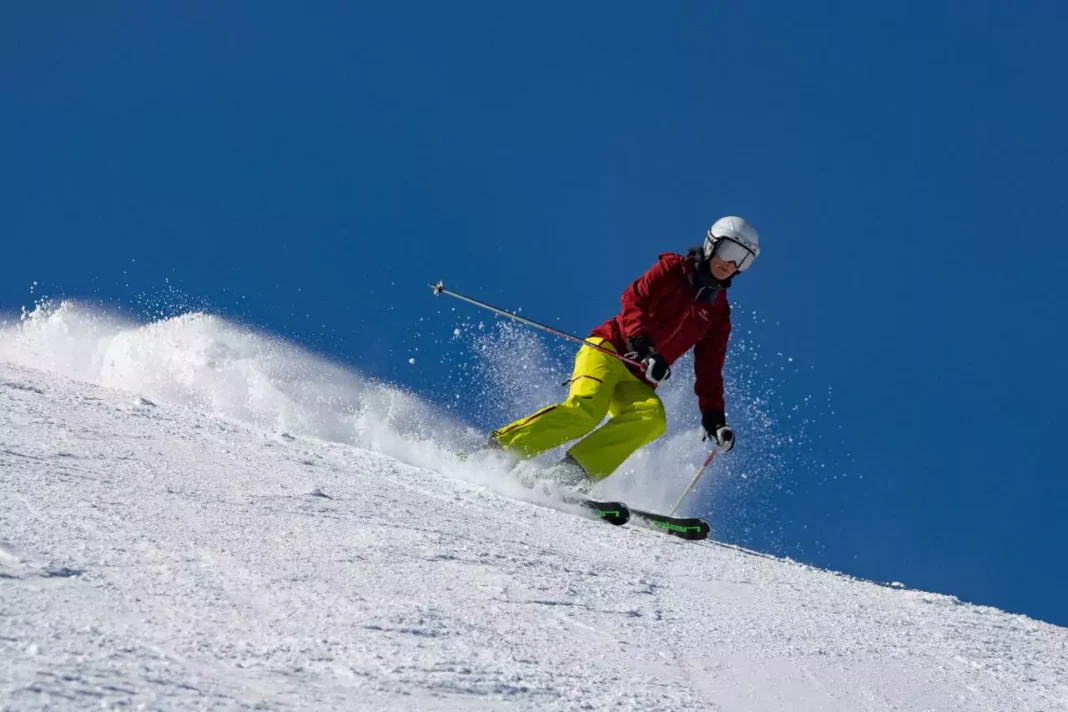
[153,554]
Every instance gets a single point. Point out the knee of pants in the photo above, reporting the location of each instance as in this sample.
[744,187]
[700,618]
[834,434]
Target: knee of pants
[657,421]
[646,418]
[586,413]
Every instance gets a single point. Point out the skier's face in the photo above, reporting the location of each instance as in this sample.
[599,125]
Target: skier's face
[721,269]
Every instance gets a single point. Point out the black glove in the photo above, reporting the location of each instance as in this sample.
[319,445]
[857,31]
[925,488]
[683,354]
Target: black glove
[716,428]
[656,368]
[641,348]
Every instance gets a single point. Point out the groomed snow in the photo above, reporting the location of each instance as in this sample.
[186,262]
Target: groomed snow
[172,537]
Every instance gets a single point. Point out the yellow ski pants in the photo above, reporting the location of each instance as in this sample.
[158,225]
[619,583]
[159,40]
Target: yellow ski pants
[600,385]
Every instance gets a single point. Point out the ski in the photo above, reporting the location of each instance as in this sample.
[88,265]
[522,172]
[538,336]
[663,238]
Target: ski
[612,512]
[690,528]
[618,513]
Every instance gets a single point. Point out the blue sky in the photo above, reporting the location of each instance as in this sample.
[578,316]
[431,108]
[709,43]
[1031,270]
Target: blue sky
[310,169]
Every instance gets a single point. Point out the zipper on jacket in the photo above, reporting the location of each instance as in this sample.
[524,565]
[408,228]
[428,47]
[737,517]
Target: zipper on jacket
[673,334]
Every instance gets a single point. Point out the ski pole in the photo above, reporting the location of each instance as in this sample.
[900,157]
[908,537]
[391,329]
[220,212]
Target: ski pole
[693,482]
[439,289]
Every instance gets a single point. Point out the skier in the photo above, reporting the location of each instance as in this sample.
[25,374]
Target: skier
[679,304]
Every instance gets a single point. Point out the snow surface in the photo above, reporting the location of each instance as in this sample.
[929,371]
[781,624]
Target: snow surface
[196,516]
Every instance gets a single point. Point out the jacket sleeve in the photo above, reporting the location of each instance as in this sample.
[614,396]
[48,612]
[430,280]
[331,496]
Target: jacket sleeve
[640,296]
[709,355]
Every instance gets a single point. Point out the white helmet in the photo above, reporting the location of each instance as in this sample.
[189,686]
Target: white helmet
[733,239]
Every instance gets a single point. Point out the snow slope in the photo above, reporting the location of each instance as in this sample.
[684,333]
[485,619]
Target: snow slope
[195,517]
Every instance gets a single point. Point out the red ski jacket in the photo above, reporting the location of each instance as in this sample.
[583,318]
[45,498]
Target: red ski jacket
[679,307]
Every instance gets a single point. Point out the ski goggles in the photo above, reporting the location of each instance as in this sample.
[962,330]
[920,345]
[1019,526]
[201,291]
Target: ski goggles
[730,249]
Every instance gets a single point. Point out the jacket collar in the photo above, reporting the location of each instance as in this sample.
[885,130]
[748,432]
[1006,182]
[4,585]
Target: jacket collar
[706,287]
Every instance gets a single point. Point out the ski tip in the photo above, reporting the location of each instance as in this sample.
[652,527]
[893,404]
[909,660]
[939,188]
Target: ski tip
[689,528]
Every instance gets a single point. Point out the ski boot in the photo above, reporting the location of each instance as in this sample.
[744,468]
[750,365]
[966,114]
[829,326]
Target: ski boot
[569,475]
[491,445]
